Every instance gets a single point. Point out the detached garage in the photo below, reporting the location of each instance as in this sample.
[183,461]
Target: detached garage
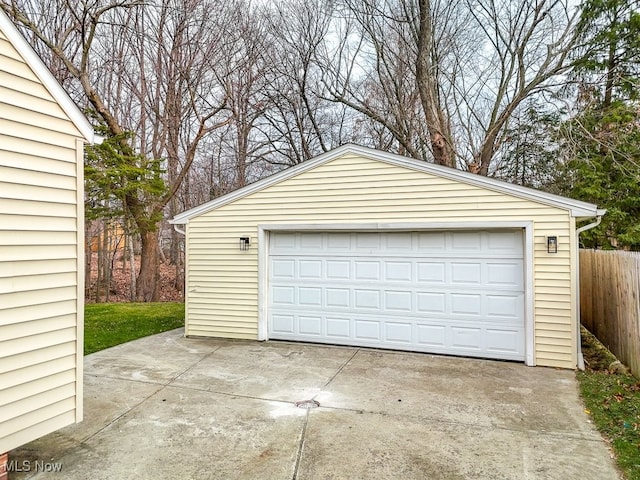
[362,247]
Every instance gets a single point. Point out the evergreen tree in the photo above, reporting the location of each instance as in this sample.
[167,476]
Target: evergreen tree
[601,142]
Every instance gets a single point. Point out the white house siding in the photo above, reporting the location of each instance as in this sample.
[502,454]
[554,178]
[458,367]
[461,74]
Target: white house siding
[222,281]
[40,253]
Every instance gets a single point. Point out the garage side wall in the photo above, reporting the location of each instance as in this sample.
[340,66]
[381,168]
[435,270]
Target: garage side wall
[222,281]
[40,252]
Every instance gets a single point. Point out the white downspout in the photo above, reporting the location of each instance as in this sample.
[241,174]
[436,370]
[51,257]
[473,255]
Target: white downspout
[178,229]
[600,213]
[183,233]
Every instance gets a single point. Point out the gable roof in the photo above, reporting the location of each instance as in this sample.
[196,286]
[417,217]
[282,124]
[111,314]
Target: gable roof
[577,208]
[48,80]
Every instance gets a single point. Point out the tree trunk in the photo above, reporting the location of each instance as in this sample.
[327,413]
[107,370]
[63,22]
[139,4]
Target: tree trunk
[99,269]
[174,246]
[486,154]
[427,81]
[88,252]
[149,277]
[611,74]
[179,283]
[106,259]
[132,268]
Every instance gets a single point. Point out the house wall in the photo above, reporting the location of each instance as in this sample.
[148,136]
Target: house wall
[41,226]
[222,281]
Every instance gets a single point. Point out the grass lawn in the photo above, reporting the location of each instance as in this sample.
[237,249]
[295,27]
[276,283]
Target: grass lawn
[612,400]
[109,324]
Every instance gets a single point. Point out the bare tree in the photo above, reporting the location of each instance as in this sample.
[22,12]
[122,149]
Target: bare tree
[386,67]
[246,71]
[143,68]
[522,49]
[428,68]
[298,123]
[445,77]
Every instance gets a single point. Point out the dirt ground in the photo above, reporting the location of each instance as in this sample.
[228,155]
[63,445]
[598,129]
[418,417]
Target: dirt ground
[121,281]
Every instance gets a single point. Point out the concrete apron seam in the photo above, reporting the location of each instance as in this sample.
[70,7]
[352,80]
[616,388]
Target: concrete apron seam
[337,373]
[303,435]
[155,392]
[193,365]
[126,412]
[551,433]
[83,442]
[123,379]
[230,394]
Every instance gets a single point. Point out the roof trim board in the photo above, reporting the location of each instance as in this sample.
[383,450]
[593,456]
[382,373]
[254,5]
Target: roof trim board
[48,80]
[577,208]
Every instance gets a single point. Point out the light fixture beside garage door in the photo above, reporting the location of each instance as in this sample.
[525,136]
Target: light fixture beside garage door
[245,243]
[552,244]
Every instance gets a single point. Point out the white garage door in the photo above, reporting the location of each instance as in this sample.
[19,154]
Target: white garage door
[455,292]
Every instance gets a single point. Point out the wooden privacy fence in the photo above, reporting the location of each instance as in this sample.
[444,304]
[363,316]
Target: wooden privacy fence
[610,301]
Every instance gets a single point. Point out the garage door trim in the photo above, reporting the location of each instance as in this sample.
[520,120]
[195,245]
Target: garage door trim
[526,226]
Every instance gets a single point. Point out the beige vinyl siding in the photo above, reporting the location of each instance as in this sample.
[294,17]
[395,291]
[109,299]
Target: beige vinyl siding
[222,281]
[40,205]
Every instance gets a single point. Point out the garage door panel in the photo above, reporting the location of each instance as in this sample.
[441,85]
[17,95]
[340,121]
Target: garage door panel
[310,325]
[284,242]
[435,336]
[466,273]
[505,274]
[338,242]
[466,338]
[283,269]
[466,241]
[310,296]
[338,328]
[398,242]
[398,271]
[367,330]
[311,242]
[504,242]
[466,304]
[399,301]
[283,295]
[338,298]
[431,272]
[431,302]
[338,269]
[283,324]
[432,242]
[366,270]
[398,332]
[499,306]
[504,306]
[366,299]
[311,269]
[391,290]
[431,336]
[367,241]
[503,341]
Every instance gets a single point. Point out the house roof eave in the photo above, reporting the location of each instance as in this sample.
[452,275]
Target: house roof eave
[48,80]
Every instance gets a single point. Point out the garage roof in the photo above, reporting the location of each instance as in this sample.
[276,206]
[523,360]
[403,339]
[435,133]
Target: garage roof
[577,208]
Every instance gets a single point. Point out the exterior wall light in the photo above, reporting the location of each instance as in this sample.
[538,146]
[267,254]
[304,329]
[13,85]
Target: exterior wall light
[245,242]
[552,244]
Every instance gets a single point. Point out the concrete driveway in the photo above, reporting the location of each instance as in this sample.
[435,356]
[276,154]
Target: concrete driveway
[172,407]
